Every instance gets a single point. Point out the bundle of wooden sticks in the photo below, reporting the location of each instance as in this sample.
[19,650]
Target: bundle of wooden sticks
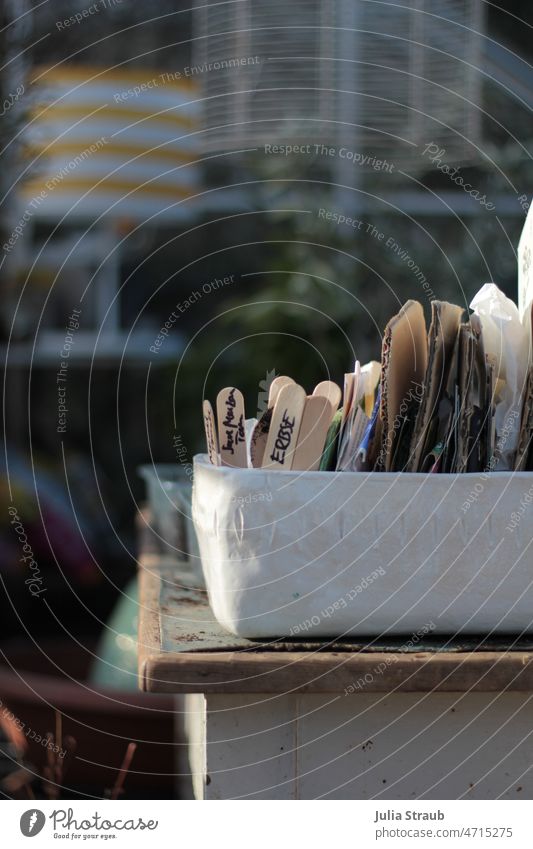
[452,398]
[297,431]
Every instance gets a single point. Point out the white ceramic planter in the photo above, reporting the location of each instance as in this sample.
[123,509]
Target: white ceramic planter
[327,554]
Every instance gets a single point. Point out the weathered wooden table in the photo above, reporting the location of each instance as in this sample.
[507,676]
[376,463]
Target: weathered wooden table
[292,720]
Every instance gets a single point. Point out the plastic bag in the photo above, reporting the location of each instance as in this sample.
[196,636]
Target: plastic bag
[505,340]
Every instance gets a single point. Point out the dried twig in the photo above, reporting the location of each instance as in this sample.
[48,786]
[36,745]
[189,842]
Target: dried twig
[121,777]
[58,738]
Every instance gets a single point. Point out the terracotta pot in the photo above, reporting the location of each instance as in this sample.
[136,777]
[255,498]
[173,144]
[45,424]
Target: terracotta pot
[34,683]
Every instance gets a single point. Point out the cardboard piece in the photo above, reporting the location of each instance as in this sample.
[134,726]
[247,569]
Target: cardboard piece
[403,366]
[505,338]
[284,428]
[359,425]
[445,321]
[370,376]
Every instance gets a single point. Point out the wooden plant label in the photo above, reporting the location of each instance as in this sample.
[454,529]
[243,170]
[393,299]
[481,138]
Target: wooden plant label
[284,427]
[231,429]
[277,384]
[211,433]
[316,420]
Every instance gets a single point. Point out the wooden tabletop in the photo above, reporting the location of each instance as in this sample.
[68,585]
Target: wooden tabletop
[183,650]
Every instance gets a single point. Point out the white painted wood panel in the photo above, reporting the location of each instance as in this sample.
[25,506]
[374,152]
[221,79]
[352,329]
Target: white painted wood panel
[404,746]
[250,746]
[416,746]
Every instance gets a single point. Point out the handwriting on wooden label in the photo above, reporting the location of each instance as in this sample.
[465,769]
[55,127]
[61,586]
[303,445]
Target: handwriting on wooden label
[284,427]
[284,438]
[232,423]
[210,433]
[231,427]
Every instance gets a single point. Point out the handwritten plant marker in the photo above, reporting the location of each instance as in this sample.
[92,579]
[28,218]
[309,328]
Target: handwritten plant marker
[211,433]
[330,390]
[277,384]
[284,427]
[231,428]
[317,417]
[259,439]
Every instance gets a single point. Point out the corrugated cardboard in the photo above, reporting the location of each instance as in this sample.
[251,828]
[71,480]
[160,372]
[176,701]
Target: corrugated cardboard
[403,365]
